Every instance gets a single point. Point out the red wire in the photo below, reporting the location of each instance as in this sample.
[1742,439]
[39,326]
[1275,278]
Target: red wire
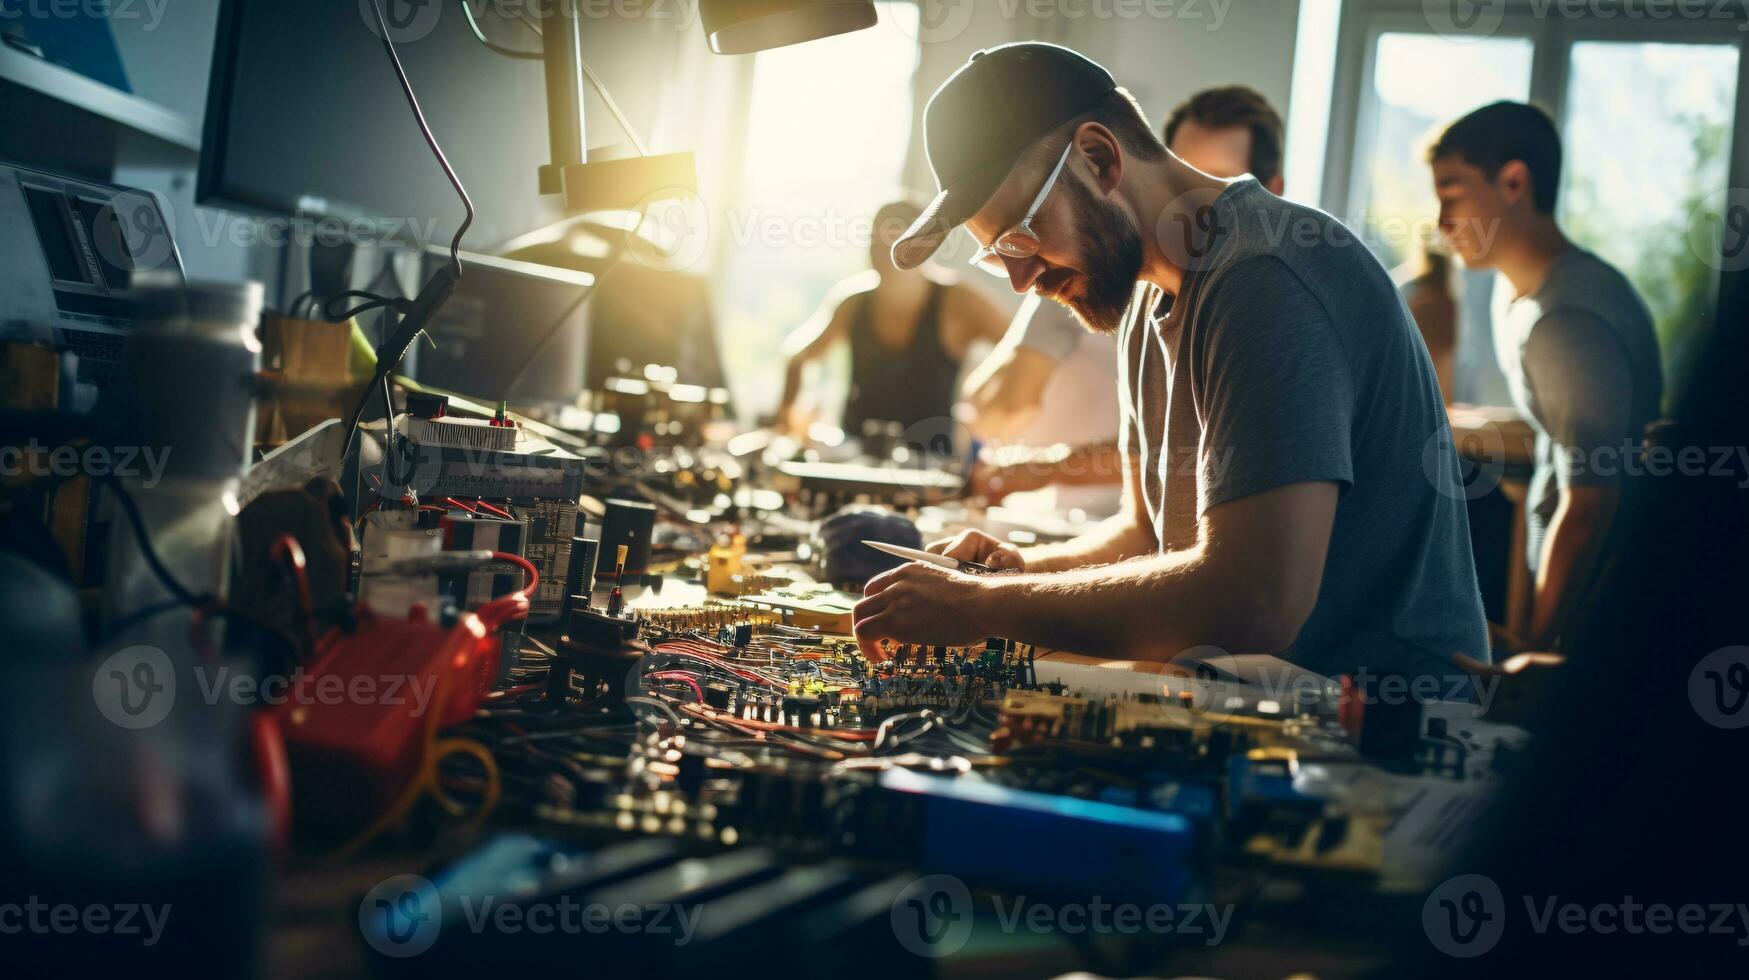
[274,770]
[527,566]
[515,605]
[501,512]
[675,675]
[287,549]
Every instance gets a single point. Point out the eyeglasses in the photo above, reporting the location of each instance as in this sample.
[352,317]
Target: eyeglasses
[1020,241]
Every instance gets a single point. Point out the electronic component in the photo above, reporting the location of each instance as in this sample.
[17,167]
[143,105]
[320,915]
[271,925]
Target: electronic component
[626,530]
[535,470]
[352,756]
[81,258]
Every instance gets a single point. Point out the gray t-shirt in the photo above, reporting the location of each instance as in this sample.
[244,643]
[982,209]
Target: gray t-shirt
[1288,357]
[1581,361]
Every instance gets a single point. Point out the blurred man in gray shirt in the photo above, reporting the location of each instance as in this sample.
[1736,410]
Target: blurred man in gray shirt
[1573,338]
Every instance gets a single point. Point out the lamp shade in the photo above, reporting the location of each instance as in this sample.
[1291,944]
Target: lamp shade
[745,26]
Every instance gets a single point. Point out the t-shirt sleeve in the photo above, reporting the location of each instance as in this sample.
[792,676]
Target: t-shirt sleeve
[1581,380]
[1276,390]
[1048,328]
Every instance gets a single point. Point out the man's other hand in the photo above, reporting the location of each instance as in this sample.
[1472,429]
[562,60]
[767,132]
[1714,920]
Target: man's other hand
[920,603]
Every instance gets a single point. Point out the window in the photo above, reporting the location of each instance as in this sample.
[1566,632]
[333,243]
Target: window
[1420,83]
[825,147]
[1631,200]
[1648,110]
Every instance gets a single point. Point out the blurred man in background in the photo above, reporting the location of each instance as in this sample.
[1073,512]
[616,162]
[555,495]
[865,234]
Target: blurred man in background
[1573,339]
[1045,396]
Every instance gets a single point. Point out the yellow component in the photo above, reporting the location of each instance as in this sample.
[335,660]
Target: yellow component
[722,569]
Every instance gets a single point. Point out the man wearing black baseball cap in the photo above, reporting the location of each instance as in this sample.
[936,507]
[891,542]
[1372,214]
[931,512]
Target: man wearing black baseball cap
[1291,484]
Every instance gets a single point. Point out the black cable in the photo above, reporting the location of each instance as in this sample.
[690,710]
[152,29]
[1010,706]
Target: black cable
[455,181]
[297,304]
[209,604]
[182,593]
[373,301]
[436,289]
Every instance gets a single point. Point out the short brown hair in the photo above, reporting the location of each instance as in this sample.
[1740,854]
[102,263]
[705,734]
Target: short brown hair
[1237,105]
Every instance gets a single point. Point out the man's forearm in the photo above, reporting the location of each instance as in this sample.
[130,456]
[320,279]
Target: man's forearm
[1115,539]
[1145,609]
[1569,553]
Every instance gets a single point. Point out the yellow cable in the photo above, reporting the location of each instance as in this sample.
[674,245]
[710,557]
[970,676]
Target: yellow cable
[425,780]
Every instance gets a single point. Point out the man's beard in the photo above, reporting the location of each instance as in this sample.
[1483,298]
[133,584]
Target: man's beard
[1111,250]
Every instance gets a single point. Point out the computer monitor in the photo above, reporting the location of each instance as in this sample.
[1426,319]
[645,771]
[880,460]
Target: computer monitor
[305,117]
[511,330]
[640,316]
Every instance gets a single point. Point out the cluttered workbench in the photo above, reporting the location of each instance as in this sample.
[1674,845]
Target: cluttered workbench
[665,724]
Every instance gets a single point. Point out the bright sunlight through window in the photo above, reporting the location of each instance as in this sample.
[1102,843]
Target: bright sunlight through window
[826,141]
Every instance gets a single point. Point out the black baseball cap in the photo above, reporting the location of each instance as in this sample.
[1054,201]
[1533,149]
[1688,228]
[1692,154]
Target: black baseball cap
[980,121]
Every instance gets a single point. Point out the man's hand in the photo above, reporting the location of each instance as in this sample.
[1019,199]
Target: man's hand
[976,546]
[920,603]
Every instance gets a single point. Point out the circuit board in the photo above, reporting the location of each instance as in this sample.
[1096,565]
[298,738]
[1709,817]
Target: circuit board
[733,726]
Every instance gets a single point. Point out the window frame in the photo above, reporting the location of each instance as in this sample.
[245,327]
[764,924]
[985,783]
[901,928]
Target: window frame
[1552,38]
